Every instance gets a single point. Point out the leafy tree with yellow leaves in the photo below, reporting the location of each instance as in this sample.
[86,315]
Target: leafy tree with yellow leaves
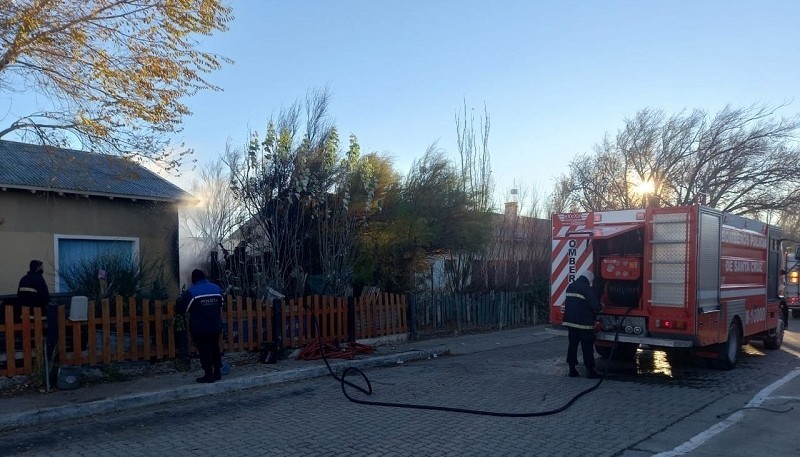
[114,73]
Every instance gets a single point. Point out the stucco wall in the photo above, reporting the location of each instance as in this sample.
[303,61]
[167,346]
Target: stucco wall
[30,222]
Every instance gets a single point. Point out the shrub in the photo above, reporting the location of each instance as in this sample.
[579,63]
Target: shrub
[113,273]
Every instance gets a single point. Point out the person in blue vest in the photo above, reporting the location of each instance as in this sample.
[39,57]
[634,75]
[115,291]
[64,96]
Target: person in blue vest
[203,303]
[580,308]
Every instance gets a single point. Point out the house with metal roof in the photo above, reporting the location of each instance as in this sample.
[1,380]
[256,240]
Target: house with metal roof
[64,206]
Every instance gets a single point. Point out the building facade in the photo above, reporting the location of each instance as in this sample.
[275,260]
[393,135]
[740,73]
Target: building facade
[64,206]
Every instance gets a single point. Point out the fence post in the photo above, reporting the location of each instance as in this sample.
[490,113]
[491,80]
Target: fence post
[411,315]
[351,319]
[181,329]
[277,320]
[52,327]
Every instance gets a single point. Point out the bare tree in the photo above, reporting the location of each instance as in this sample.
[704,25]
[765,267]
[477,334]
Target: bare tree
[789,220]
[532,200]
[741,160]
[115,73]
[217,214]
[208,226]
[476,179]
[519,249]
[473,149]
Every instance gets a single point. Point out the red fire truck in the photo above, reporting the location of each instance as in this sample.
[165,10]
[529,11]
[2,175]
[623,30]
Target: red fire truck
[790,290]
[687,277]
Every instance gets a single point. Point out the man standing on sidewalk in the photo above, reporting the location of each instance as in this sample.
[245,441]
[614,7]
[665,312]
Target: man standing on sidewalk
[203,303]
[33,292]
[580,308]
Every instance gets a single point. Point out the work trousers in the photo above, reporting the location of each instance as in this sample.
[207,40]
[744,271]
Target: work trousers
[584,337]
[207,344]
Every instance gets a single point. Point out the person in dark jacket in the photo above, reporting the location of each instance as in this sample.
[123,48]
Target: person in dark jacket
[203,303]
[32,290]
[580,308]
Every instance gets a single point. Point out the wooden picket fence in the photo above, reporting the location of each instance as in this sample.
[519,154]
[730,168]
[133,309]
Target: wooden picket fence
[434,314]
[130,330]
[304,318]
[381,315]
[26,349]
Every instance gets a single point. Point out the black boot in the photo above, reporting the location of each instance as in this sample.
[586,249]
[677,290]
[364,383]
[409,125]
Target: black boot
[591,374]
[573,372]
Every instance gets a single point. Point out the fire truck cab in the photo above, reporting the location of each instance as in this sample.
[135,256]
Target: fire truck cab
[790,277]
[686,277]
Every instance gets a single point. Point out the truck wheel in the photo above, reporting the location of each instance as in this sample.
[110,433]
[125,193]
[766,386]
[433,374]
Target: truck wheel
[625,351]
[728,352]
[603,351]
[796,313]
[775,341]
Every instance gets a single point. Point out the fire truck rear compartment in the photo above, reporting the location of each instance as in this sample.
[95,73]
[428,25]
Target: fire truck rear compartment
[620,260]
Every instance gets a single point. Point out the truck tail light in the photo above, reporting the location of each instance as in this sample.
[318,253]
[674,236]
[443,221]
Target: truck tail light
[671,324]
[793,300]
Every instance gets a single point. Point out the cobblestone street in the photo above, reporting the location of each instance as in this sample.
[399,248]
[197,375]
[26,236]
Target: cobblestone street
[312,417]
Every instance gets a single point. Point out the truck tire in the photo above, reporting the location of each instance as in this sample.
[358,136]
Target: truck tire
[625,351]
[796,313]
[775,341]
[603,351]
[729,351]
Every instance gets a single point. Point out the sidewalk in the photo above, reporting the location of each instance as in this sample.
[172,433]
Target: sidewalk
[31,408]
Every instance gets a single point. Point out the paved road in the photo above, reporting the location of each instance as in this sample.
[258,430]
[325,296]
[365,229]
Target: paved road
[641,408]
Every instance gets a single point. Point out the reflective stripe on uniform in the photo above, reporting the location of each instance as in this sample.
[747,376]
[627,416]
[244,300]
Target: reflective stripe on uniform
[574,295]
[27,289]
[583,327]
[203,296]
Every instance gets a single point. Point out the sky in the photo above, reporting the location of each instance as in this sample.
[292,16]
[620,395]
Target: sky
[554,76]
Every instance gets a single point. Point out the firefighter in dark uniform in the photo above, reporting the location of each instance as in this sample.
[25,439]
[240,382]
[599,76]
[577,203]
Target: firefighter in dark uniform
[33,292]
[203,302]
[580,308]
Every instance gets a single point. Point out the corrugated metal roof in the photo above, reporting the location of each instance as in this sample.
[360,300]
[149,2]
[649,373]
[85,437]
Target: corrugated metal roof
[37,167]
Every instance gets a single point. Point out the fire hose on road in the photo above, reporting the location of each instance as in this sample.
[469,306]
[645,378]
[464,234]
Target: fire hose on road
[322,349]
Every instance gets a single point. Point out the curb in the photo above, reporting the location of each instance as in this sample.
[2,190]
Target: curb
[185,392]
